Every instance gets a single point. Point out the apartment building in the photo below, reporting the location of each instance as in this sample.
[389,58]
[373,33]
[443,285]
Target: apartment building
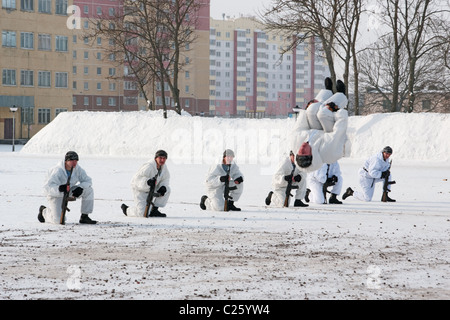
[249,76]
[36,65]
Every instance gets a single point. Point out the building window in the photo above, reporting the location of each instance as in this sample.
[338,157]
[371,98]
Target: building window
[426,104]
[61,79]
[9,4]
[45,6]
[27,5]
[86,101]
[129,85]
[99,86]
[59,110]
[61,7]
[44,42]
[27,40]
[9,77]
[43,116]
[9,39]
[26,78]
[99,101]
[112,102]
[130,101]
[61,43]
[44,79]
[99,70]
[27,115]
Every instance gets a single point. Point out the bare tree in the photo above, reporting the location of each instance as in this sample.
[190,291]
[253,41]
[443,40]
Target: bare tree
[414,35]
[152,38]
[347,38]
[383,67]
[301,20]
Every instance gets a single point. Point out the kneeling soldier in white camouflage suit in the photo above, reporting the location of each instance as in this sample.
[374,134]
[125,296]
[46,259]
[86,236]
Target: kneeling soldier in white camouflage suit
[56,185]
[152,174]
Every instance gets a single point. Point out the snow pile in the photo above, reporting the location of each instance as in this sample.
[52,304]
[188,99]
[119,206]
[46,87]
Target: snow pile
[198,140]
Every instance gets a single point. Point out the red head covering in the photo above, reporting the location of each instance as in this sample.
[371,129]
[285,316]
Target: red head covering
[305,149]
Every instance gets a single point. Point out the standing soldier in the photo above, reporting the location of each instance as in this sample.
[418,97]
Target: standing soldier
[226,173]
[153,175]
[56,185]
[376,169]
[287,176]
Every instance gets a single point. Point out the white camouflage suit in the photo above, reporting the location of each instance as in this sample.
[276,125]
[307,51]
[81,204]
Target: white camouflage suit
[279,184]
[317,178]
[57,176]
[215,188]
[371,174]
[141,188]
[326,132]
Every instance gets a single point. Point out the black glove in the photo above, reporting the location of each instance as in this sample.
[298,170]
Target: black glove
[332,106]
[77,192]
[288,178]
[385,174]
[239,180]
[332,180]
[62,188]
[162,191]
[151,182]
[224,178]
[298,178]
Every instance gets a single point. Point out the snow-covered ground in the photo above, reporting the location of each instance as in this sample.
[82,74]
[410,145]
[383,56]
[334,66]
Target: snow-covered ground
[355,250]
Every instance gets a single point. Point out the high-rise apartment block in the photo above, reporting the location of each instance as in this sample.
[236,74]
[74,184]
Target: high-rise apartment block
[249,76]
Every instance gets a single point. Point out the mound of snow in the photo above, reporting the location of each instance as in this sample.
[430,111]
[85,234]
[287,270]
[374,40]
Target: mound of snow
[198,140]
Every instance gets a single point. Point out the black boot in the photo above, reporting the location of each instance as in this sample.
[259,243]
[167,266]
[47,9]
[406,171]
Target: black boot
[269,198]
[202,202]
[155,213]
[124,208]
[328,84]
[333,199]
[348,193]
[340,86]
[231,206]
[40,215]
[387,199]
[299,203]
[85,219]
[308,191]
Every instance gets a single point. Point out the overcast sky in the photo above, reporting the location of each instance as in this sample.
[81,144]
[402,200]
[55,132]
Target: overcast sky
[237,7]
